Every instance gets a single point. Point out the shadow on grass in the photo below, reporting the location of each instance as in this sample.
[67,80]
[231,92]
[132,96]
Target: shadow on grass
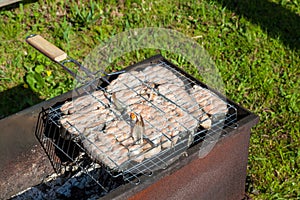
[16,99]
[276,20]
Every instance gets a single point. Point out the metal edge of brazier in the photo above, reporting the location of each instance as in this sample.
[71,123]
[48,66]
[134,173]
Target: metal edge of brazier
[23,161]
[19,146]
[219,175]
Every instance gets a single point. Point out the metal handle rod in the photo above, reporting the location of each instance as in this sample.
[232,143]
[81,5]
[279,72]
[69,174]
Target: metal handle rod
[60,57]
[55,54]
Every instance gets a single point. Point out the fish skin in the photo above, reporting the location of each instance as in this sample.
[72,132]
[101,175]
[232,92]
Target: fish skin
[138,129]
[117,103]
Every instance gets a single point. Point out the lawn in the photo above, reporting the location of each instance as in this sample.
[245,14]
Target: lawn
[255,45]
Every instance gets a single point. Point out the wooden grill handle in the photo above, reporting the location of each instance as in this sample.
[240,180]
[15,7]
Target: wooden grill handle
[47,48]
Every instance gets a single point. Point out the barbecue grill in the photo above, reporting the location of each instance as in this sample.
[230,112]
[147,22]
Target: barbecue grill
[71,150]
[171,122]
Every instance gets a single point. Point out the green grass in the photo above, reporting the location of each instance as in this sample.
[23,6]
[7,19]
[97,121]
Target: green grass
[255,45]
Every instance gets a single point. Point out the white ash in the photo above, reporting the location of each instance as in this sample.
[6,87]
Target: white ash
[79,186]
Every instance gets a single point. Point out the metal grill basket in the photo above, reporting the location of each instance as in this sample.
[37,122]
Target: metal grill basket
[70,148]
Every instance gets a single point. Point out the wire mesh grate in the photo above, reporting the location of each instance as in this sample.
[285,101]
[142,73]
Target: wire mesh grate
[182,113]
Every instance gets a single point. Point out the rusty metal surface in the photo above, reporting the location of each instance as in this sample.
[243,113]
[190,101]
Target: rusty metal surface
[17,130]
[23,162]
[27,169]
[220,175]
[16,136]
